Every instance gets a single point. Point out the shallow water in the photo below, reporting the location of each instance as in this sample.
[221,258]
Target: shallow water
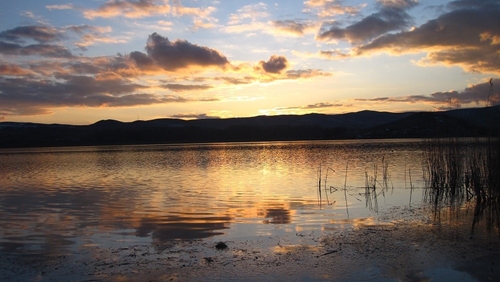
[52,199]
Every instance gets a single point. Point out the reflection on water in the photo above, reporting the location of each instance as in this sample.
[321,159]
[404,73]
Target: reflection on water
[53,199]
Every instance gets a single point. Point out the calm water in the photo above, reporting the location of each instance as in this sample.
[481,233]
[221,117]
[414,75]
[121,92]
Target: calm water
[53,199]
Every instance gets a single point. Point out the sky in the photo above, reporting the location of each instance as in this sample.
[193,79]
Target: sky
[81,61]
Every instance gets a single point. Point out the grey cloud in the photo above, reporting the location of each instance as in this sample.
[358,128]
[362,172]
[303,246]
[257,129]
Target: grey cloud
[84,67]
[469,37]
[479,94]
[392,16]
[195,116]
[276,64]
[31,96]
[470,3]
[322,105]
[180,54]
[37,33]
[142,60]
[183,87]
[313,106]
[82,28]
[41,34]
[45,50]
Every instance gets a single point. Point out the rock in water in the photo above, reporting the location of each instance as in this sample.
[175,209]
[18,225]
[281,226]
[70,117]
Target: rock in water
[221,246]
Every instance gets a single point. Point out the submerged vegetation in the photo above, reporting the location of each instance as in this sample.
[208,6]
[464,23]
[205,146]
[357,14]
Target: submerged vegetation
[460,172]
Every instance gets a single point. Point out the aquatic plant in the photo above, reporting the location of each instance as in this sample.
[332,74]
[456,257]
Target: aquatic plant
[327,190]
[459,171]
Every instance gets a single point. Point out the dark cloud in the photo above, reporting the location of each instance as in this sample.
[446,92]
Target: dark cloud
[195,116]
[180,54]
[313,106]
[78,67]
[392,16]
[183,87]
[276,64]
[41,34]
[25,96]
[468,4]
[45,50]
[481,94]
[142,60]
[322,105]
[467,36]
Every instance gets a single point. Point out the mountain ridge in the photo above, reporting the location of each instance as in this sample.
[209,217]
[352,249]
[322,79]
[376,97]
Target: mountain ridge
[470,122]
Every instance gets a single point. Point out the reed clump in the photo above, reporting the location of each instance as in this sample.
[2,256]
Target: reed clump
[458,171]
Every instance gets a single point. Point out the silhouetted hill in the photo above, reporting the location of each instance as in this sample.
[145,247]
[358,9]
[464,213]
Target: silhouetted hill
[426,125]
[364,124]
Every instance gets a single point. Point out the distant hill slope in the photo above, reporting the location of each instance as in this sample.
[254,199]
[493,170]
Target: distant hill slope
[364,124]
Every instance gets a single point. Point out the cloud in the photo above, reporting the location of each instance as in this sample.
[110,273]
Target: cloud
[180,54]
[44,50]
[468,37]
[303,74]
[93,34]
[276,64]
[41,34]
[294,27]
[479,94]
[251,12]
[60,7]
[391,16]
[13,70]
[236,80]
[129,9]
[312,106]
[183,87]
[329,8]
[28,96]
[247,28]
[194,116]
[50,40]
[179,10]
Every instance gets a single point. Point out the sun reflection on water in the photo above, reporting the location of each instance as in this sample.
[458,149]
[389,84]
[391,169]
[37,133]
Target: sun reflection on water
[52,198]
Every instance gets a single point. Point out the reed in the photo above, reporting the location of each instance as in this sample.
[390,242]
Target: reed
[327,190]
[457,171]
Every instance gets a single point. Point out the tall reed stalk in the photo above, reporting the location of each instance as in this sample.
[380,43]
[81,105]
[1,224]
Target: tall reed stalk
[456,171]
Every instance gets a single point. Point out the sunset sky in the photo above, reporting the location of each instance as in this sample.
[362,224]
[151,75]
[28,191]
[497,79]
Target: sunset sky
[80,61]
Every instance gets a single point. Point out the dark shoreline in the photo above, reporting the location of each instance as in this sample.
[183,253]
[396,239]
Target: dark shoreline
[474,122]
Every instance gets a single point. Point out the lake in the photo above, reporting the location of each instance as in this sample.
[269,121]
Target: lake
[53,198]
[65,201]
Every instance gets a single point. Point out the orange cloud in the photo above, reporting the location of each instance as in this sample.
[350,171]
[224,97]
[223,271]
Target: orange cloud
[329,8]
[13,70]
[129,9]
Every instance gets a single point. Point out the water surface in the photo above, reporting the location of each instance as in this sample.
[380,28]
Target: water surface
[53,199]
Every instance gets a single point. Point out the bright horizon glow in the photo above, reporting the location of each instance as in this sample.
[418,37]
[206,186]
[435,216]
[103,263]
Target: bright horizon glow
[78,62]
